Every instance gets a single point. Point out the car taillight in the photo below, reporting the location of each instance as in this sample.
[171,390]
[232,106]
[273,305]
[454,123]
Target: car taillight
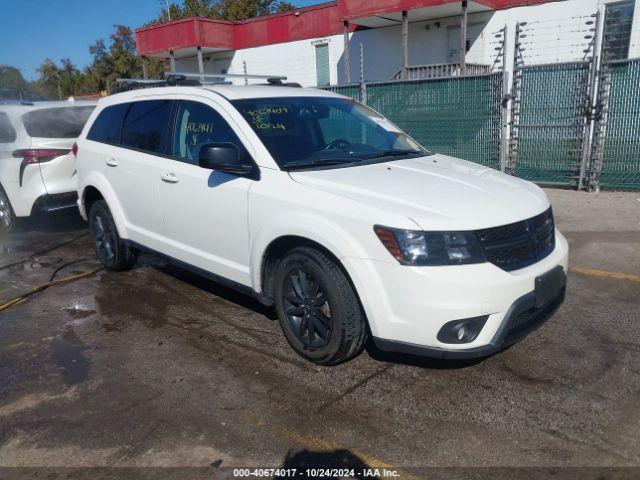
[38,155]
[74,149]
[32,156]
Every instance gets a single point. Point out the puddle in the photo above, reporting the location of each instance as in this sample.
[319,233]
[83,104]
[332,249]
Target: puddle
[111,327]
[78,312]
[67,353]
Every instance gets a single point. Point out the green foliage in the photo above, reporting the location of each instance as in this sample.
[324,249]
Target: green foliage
[10,77]
[223,9]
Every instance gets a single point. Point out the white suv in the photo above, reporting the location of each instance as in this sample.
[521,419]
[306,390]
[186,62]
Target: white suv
[318,205]
[37,167]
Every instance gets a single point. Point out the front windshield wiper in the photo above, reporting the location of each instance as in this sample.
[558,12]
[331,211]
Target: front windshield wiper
[317,163]
[396,153]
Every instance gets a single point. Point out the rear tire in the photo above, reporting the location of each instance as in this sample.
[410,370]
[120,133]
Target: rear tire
[318,309]
[112,251]
[7,215]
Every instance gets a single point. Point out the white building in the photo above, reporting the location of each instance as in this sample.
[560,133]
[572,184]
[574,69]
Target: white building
[322,44]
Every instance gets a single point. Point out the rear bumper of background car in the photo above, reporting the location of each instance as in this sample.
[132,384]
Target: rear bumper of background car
[54,202]
[407,307]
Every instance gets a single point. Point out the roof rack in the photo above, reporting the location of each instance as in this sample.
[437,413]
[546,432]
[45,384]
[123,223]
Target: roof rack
[271,79]
[173,79]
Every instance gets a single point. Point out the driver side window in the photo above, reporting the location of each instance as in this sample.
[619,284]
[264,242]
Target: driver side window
[198,125]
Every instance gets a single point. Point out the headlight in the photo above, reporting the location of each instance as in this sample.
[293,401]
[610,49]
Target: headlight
[417,248]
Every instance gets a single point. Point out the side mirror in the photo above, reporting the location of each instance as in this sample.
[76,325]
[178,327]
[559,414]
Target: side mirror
[225,157]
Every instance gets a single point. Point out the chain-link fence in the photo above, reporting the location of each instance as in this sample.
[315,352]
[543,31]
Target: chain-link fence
[457,116]
[616,146]
[549,122]
[571,122]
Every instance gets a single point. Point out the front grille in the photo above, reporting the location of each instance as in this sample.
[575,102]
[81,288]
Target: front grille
[519,244]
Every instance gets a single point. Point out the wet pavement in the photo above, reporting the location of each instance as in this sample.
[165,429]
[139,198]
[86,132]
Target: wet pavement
[157,367]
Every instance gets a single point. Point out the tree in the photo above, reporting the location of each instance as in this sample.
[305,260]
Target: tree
[10,77]
[48,79]
[223,9]
[116,60]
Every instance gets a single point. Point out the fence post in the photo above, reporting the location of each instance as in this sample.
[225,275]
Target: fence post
[512,159]
[504,130]
[587,142]
[363,85]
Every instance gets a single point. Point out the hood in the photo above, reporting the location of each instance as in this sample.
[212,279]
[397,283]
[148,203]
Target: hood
[437,192]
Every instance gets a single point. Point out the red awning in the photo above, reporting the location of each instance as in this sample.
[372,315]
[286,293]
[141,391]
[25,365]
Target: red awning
[325,19]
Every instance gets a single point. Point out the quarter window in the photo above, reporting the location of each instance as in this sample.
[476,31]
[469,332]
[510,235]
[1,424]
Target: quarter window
[198,125]
[145,126]
[107,127]
[7,132]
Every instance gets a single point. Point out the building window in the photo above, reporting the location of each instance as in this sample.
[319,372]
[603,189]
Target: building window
[322,65]
[618,22]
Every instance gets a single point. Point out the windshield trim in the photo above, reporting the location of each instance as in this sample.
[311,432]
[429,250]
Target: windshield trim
[358,163]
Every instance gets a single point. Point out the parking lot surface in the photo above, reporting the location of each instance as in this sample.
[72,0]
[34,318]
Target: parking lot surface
[158,367]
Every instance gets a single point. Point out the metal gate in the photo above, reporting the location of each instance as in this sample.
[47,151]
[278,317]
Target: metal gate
[550,119]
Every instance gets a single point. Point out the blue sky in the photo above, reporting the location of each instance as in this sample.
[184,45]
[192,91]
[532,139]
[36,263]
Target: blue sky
[32,30]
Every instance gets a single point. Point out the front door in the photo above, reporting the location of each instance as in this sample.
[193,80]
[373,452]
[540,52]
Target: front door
[205,211]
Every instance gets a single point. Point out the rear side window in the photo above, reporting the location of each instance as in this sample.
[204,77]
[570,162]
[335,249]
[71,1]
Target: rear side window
[7,132]
[145,126]
[107,126]
[65,122]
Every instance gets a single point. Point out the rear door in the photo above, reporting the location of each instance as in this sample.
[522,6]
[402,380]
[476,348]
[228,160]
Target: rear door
[205,211]
[57,129]
[133,168]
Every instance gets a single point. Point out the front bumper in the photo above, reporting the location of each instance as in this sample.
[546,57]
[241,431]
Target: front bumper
[407,306]
[522,318]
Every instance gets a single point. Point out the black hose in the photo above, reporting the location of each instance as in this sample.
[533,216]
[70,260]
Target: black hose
[73,262]
[19,262]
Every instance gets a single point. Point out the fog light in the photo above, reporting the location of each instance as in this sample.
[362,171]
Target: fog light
[462,331]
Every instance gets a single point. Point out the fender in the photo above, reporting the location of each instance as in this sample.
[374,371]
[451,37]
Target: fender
[332,236]
[307,225]
[98,180]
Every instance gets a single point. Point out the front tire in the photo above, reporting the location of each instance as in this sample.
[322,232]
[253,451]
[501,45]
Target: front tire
[112,251]
[318,309]
[7,215]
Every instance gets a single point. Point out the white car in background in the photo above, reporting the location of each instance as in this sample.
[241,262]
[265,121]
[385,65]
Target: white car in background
[314,203]
[37,165]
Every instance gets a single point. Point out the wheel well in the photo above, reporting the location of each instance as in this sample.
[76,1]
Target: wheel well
[90,196]
[277,249]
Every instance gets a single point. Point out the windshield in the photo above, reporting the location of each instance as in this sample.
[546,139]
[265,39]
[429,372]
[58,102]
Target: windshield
[304,132]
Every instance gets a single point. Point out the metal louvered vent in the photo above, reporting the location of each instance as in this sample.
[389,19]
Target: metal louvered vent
[518,245]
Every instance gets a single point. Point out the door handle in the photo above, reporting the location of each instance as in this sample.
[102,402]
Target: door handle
[169,177]
[111,162]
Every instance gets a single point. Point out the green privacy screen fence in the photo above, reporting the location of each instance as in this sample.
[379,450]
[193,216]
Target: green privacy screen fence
[552,114]
[616,151]
[457,116]
[549,122]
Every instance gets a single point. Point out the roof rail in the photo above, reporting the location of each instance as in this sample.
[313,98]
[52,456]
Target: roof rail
[172,79]
[272,79]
